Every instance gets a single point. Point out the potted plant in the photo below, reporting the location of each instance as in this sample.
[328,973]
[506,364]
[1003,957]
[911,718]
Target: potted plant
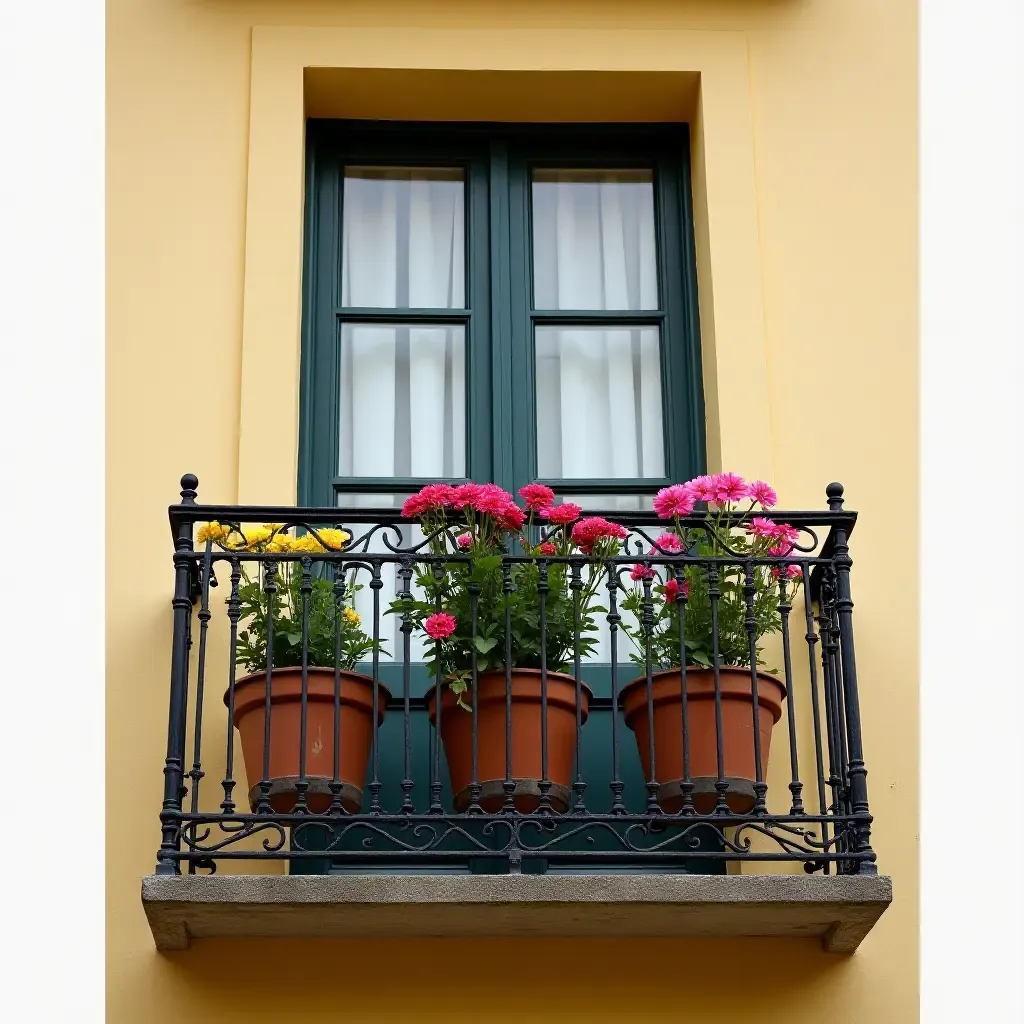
[271,613]
[731,528]
[468,594]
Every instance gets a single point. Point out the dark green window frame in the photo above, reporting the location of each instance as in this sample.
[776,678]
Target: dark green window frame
[498,318]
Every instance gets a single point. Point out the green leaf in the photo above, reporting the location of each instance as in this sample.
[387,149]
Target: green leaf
[485,644]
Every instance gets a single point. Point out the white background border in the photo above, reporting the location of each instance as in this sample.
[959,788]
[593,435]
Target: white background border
[51,488]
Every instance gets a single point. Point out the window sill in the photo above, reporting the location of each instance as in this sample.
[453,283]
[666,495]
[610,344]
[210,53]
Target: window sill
[841,910]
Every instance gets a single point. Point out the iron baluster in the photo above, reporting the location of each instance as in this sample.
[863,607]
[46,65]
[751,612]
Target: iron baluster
[795,785]
[613,617]
[750,622]
[544,807]
[857,769]
[170,844]
[647,625]
[721,785]
[234,613]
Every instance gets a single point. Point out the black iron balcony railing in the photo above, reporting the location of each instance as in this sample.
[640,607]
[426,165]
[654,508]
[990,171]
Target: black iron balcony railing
[348,748]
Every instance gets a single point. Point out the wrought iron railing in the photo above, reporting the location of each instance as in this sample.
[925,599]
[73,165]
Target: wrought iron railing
[614,812]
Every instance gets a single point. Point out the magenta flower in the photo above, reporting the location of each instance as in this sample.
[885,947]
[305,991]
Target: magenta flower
[587,532]
[642,572]
[677,500]
[465,495]
[780,550]
[440,625]
[729,488]
[669,543]
[537,496]
[764,494]
[547,548]
[562,515]
[493,501]
[464,540]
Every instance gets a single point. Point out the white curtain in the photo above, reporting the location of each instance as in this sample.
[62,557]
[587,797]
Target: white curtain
[402,387]
[599,390]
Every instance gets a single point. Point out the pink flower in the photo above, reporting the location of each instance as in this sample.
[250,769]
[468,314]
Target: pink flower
[465,494]
[671,590]
[587,532]
[492,500]
[413,507]
[512,517]
[792,571]
[464,540]
[642,572]
[562,515]
[440,625]
[780,550]
[764,494]
[537,496]
[547,548]
[669,543]
[729,488]
[761,527]
[704,488]
[677,500]
[433,496]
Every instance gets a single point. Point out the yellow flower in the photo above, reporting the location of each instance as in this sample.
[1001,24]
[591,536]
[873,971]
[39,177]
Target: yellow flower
[211,531]
[334,540]
[329,540]
[352,616]
[255,536]
[280,544]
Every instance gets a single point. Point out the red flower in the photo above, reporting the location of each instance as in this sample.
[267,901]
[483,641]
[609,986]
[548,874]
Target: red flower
[671,590]
[537,496]
[433,496]
[561,515]
[512,517]
[440,625]
[465,494]
[642,572]
[587,532]
[547,548]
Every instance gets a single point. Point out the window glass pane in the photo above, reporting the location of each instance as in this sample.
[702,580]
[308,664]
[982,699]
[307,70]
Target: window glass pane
[402,405]
[593,240]
[599,403]
[403,238]
[406,535]
[613,502]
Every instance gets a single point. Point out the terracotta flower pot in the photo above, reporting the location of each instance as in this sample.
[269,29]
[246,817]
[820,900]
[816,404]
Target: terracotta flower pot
[737,732]
[457,738]
[355,733]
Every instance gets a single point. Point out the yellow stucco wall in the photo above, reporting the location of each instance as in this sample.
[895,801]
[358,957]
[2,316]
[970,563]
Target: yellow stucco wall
[805,182]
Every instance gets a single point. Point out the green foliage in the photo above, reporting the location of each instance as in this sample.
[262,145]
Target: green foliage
[328,621]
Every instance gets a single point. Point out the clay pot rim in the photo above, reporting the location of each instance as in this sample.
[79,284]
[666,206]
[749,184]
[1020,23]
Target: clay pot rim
[311,670]
[587,694]
[564,676]
[641,681]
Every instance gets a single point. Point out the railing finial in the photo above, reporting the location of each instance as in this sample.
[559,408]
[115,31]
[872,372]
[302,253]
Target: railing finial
[189,483]
[834,491]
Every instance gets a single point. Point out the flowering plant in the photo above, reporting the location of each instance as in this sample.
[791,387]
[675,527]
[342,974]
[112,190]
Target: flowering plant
[283,605]
[473,524]
[731,529]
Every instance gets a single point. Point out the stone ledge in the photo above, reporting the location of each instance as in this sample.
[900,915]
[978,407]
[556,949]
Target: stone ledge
[840,909]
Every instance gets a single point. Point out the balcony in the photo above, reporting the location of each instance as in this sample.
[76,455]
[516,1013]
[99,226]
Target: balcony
[513,728]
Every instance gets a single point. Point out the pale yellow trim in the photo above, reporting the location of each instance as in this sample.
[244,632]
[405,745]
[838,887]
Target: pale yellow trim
[732,314]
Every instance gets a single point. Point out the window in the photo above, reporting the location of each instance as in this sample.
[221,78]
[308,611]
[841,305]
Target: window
[503,303]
